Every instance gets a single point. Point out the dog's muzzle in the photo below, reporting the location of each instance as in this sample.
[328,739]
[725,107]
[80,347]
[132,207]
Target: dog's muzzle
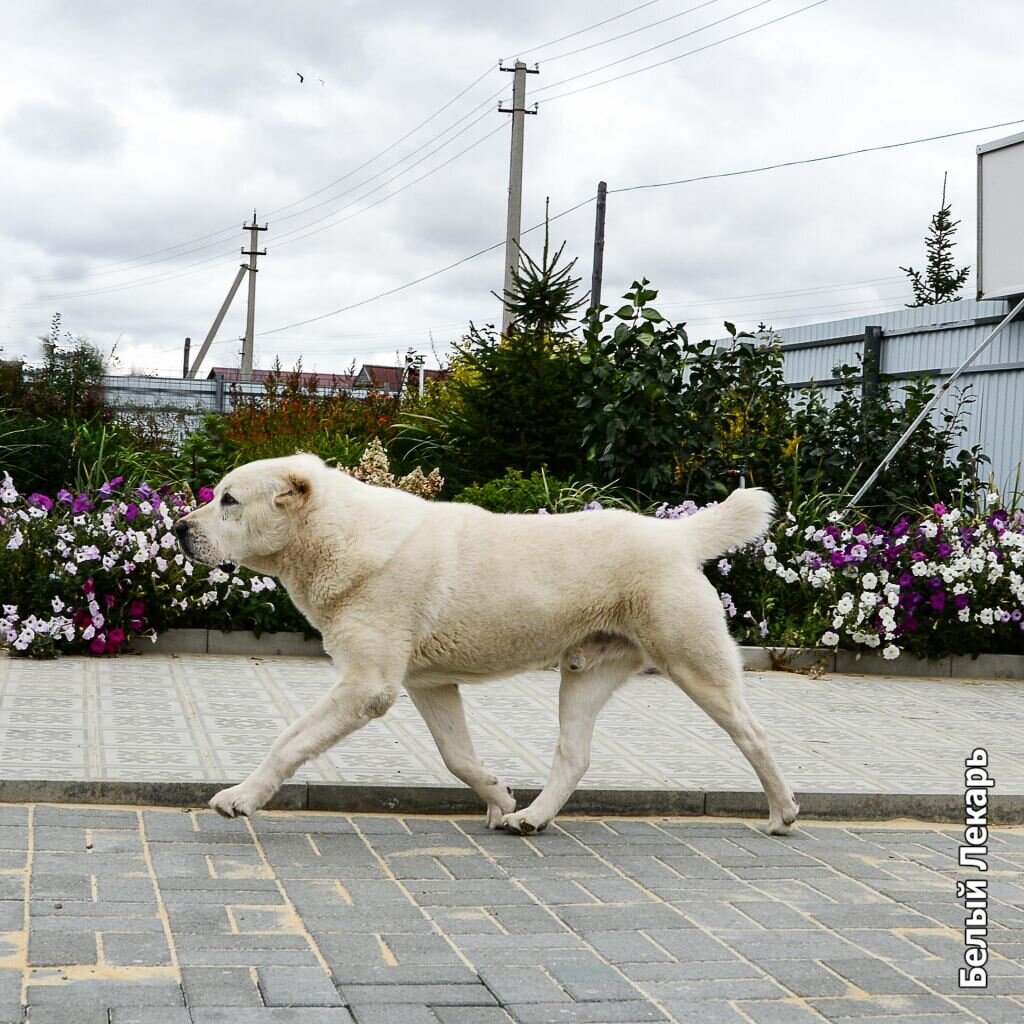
[181,532]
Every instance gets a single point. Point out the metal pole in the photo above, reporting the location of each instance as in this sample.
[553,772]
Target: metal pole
[250,315]
[598,272]
[217,320]
[947,384]
[184,363]
[515,183]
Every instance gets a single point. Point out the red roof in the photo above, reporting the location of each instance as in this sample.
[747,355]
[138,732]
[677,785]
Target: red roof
[320,380]
[390,377]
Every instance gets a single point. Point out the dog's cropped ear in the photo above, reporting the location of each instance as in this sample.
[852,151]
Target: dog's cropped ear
[293,492]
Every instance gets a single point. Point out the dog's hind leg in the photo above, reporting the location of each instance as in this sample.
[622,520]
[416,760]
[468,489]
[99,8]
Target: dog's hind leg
[582,694]
[712,676]
[442,710]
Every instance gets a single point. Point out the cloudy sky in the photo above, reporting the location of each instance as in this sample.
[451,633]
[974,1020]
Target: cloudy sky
[137,138]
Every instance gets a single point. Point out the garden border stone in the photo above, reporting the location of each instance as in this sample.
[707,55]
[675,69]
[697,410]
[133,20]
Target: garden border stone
[1005,809]
[758,659]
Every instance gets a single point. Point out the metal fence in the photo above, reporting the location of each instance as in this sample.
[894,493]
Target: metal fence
[931,341]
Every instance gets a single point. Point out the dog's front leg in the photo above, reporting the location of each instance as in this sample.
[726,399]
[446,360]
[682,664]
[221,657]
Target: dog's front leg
[360,697]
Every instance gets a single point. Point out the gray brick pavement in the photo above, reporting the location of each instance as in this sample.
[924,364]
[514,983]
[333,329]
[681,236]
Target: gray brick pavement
[297,918]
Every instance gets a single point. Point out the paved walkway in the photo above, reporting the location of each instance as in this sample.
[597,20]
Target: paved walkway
[208,718]
[131,916]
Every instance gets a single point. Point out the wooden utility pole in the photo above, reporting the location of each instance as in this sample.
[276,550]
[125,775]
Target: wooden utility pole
[515,180]
[598,271]
[250,316]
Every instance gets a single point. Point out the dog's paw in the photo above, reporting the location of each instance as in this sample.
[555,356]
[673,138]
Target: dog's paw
[496,811]
[780,822]
[522,823]
[238,800]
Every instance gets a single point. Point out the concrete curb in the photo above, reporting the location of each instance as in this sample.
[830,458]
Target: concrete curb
[759,659]
[1005,809]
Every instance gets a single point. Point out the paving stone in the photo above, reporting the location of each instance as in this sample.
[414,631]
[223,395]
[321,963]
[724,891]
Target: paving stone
[873,976]
[271,1015]
[86,994]
[53,949]
[587,1013]
[14,1013]
[471,1015]
[66,1015]
[777,1011]
[219,986]
[427,995]
[136,950]
[522,985]
[626,947]
[297,986]
[587,978]
[150,1015]
[805,977]
[405,1013]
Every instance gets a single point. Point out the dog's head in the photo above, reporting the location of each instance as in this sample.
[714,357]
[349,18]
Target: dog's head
[255,512]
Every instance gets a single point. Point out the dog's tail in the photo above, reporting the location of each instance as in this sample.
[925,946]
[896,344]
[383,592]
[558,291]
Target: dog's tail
[743,516]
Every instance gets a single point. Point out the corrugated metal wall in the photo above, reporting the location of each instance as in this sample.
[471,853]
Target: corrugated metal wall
[933,340]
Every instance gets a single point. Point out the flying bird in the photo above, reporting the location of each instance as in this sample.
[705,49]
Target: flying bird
[301,78]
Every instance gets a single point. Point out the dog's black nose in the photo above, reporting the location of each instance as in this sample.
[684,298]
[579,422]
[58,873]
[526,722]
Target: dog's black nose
[180,529]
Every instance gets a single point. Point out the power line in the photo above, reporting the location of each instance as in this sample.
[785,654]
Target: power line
[112,267]
[425,277]
[818,159]
[580,31]
[657,46]
[669,60]
[177,273]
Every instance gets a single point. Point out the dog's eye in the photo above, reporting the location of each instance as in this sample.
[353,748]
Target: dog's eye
[226,499]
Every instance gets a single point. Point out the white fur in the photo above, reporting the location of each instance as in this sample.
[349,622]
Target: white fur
[430,595]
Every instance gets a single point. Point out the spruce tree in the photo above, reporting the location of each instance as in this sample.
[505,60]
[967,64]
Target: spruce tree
[941,281]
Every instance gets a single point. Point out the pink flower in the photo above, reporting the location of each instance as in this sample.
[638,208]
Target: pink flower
[205,494]
[117,636]
[98,646]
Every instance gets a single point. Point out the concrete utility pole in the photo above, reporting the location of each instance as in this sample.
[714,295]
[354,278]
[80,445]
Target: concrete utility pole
[515,179]
[184,363]
[598,272]
[250,317]
[217,321]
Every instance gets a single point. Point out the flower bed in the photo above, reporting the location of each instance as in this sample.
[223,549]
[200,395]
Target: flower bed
[89,573]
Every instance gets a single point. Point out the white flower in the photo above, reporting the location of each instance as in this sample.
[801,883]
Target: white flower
[845,604]
[871,640]
[830,638]
[964,615]
[869,581]
[771,563]
[985,616]
[58,605]
[791,576]
[161,564]
[890,652]
[16,540]
[269,583]
[724,566]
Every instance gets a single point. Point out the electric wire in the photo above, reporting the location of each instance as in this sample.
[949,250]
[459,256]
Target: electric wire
[669,60]
[631,32]
[651,49]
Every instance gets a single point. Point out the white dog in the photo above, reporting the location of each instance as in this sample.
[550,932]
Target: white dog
[429,595]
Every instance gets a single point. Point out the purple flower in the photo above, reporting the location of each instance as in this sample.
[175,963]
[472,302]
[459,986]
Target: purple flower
[906,580]
[131,511]
[944,550]
[109,600]
[64,497]
[110,486]
[918,556]
[935,583]
[98,646]
[833,531]
[81,504]
[940,509]
[1016,615]
[40,501]
[89,586]
[838,559]
[592,506]
[144,490]
[117,636]
[205,494]
[908,624]
[901,527]
[137,608]
[960,601]
[938,600]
